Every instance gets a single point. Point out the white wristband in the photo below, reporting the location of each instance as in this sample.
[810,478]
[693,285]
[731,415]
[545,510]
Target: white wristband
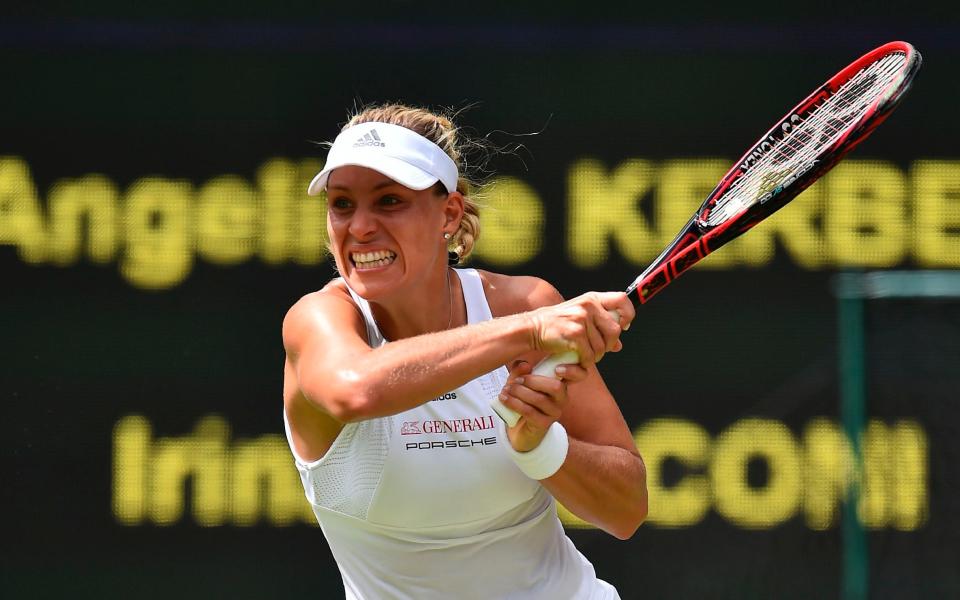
[547,458]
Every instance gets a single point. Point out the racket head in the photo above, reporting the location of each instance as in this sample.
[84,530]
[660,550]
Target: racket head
[799,149]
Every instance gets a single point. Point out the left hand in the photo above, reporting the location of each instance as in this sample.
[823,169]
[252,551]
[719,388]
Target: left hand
[539,400]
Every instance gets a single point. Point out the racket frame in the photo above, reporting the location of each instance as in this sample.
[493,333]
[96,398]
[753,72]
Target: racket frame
[697,239]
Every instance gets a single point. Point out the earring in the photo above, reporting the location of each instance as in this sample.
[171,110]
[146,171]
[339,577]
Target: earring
[446,235]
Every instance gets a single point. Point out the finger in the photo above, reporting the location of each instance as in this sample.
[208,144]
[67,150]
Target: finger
[547,403]
[528,412]
[520,368]
[627,312]
[582,346]
[597,341]
[620,302]
[586,354]
[610,330]
[552,386]
[551,390]
[603,323]
[571,373]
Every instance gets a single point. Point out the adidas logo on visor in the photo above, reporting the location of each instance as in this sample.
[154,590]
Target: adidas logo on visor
[369,139]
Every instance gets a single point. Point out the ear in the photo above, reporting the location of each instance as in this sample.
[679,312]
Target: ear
[452,212]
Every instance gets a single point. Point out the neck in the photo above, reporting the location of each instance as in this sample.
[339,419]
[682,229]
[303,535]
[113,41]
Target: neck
[436,305]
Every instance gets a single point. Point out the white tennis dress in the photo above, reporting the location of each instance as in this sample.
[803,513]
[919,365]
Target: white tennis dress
[428,504]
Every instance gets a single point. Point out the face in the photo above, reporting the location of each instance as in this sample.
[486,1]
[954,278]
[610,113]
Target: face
[386,237]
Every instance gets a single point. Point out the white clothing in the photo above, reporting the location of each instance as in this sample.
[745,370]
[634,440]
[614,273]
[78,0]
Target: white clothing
[428,504]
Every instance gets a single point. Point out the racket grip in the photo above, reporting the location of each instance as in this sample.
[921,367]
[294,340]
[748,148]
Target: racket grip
[547,368]
[508,415]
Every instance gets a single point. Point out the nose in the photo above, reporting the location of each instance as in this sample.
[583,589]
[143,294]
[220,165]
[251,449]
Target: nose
[363,224]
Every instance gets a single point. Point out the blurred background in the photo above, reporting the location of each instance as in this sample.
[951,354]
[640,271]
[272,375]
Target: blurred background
[797,411]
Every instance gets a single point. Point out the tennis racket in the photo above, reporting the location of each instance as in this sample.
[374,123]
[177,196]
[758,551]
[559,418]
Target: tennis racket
[797,151]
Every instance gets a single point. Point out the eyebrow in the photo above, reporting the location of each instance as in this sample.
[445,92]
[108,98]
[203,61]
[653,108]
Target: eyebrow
[381,185]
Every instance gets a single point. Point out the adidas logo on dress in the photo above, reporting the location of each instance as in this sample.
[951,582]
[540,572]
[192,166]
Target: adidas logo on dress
[369,139]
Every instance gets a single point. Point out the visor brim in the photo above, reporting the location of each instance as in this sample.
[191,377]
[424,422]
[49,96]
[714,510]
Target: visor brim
[402,172]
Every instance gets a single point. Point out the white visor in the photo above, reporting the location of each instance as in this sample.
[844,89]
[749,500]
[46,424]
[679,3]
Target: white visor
[399,153]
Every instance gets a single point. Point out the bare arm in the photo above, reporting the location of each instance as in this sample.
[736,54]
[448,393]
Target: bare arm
[340,374]
[603,479]
[337,372]
[602,486]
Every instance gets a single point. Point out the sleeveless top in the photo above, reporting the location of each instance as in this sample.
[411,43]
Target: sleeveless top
[427,503]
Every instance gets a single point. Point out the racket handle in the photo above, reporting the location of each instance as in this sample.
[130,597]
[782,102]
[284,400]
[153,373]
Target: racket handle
[547,368]
[508,415]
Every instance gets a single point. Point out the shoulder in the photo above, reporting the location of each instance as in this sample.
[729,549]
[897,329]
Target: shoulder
[511,294]
[326,311]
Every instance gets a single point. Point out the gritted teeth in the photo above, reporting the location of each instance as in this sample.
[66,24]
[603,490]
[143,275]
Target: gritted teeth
[378,258]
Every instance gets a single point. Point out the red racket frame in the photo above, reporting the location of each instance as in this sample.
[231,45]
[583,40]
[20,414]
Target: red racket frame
[697,239]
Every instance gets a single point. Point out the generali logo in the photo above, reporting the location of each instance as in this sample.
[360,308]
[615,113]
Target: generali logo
[410,428]
[447,426]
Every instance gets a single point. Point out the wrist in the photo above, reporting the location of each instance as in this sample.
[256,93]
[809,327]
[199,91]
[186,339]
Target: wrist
[523,331]
[532,321]
[547,457]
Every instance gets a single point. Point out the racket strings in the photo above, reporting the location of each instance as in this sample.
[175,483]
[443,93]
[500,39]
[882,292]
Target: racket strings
[850,99]
[828,122]
[798,150]
[833,117]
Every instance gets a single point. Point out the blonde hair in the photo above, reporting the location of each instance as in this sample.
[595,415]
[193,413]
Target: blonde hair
[439,129]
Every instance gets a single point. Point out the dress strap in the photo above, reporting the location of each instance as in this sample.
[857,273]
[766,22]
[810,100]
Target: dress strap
[478,310]
[374,337]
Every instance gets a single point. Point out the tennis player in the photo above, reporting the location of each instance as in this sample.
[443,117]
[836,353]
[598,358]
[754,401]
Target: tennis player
[421,490]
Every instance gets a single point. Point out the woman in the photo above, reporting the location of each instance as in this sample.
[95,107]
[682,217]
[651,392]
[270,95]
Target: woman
[421,491]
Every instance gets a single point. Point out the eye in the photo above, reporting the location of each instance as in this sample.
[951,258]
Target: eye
[390,201]
[340,203]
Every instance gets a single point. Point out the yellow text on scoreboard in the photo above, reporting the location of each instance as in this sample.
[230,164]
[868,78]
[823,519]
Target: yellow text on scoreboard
[242,482]
[864,213]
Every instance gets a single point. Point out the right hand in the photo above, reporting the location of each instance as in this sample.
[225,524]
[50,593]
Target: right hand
[583,324]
